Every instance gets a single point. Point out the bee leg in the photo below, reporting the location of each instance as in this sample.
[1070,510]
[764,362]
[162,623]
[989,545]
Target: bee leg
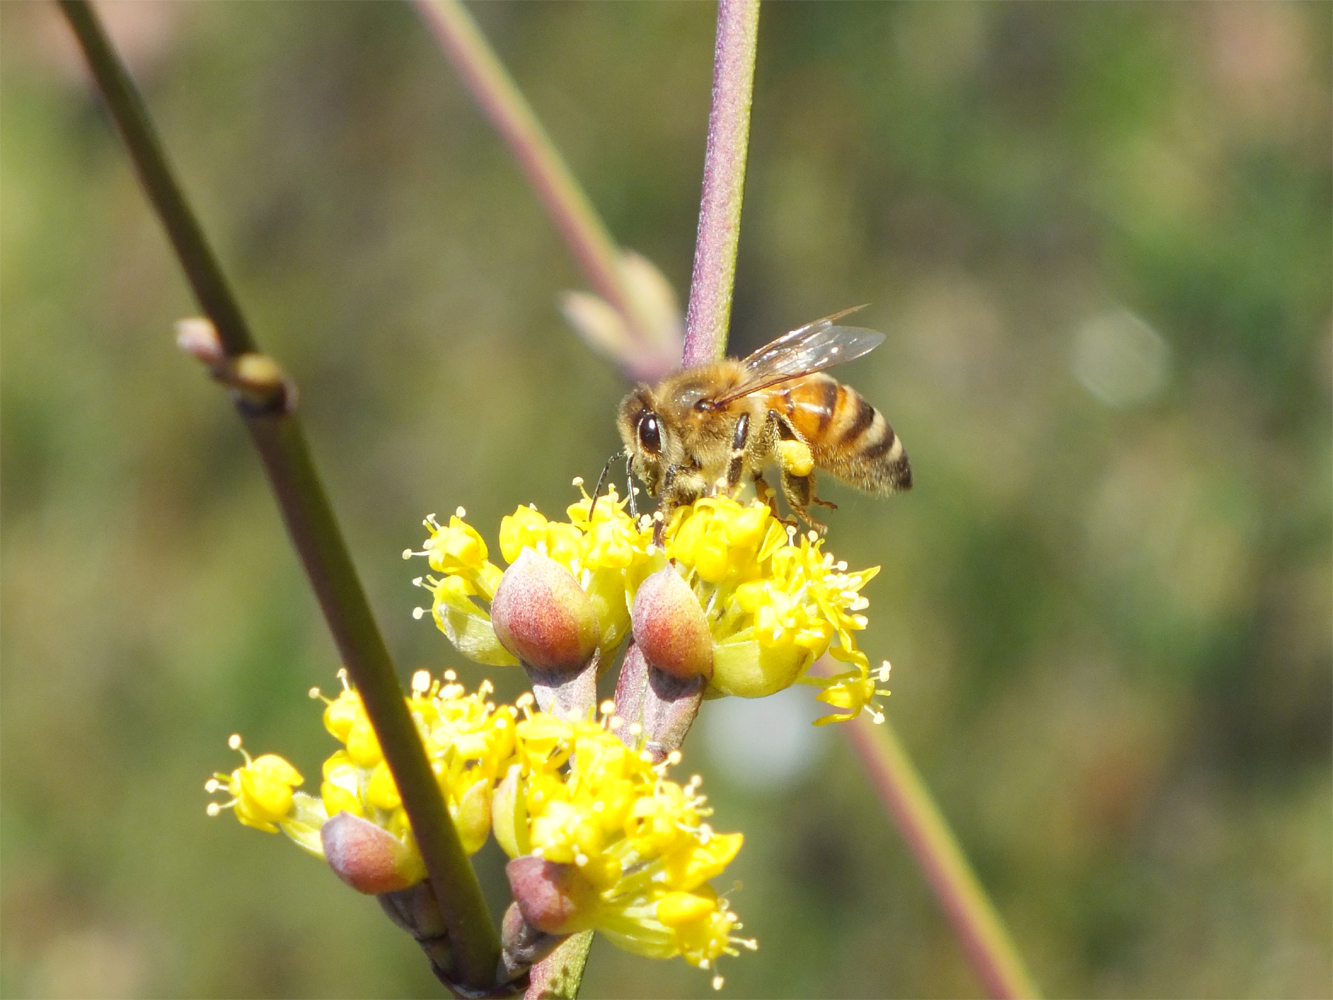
[629,487]
[681,486]
[799,492]
[740,440]
[765,493]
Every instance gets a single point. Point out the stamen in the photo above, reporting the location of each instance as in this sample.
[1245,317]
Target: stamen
[460,513]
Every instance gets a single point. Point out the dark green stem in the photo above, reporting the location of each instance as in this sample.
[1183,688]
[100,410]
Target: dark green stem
[310,520]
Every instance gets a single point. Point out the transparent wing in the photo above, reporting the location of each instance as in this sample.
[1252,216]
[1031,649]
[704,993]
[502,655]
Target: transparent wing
[808,349]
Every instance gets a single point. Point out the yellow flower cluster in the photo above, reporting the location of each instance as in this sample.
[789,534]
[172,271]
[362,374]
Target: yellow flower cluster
[774,600]
[608,555]
[567,792]
[577,795]
[467,741]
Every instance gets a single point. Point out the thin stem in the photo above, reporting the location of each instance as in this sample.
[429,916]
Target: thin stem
[709,316]
[974,917]
[501,100]
[310,520]
[318,540]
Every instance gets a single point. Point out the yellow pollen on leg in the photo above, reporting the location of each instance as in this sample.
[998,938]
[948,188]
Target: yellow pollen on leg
[796,457]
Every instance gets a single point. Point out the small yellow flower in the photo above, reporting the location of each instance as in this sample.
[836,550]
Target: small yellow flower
[854,691]
[261,790]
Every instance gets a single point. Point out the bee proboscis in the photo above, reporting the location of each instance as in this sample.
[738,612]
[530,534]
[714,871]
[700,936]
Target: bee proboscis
[706,428]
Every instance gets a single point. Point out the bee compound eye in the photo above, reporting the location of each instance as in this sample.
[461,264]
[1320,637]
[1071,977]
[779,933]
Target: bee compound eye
[650,435]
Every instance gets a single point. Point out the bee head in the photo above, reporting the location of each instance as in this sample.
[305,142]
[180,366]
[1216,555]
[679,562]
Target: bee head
[644,436]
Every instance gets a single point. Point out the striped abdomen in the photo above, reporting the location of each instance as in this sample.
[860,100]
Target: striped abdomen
[846,435]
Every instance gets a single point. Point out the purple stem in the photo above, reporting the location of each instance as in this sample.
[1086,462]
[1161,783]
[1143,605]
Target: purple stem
[974,918]
[709,315]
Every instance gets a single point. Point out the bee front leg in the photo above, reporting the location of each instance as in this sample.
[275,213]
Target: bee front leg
[740,440]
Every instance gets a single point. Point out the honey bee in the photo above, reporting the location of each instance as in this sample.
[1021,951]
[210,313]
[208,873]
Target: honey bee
[708,427]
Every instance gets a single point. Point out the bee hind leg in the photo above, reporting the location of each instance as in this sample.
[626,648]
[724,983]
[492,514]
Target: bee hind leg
[799,492]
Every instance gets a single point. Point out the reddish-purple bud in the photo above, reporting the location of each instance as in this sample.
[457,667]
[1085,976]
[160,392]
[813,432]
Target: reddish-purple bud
[369,858]
[670,627]
[542,616]
[552,897]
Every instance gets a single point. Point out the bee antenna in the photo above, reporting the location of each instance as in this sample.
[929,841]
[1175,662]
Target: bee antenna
[602,479]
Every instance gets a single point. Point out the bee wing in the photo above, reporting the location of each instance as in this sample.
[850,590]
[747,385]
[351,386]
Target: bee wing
[810,348]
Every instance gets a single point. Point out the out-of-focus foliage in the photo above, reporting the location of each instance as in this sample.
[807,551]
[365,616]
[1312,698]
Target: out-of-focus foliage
[1098,236]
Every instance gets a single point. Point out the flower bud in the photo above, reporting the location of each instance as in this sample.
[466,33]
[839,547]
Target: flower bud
[542,616]
[552,897]
[749,669]
[670,627]
[368,857]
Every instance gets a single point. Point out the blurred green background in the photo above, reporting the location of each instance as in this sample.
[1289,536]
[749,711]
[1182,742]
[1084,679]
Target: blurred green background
[1098,237]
